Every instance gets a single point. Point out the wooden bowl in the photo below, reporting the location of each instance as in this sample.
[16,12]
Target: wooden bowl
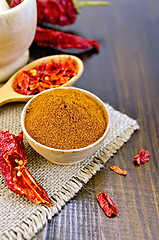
[66,157]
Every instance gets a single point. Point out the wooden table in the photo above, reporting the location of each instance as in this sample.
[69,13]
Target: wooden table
[124,73]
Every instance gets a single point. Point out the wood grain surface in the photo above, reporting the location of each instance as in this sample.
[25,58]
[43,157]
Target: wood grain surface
[124,73]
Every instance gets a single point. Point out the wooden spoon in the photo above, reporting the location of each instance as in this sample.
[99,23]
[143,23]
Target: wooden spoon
[7,93]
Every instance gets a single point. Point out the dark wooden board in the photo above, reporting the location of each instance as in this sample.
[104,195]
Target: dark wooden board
[124,73]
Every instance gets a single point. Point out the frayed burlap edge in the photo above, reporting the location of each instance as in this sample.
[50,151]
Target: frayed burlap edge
[33,224]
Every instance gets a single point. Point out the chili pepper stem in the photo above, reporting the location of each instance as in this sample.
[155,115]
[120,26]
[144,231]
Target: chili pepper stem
[80,4]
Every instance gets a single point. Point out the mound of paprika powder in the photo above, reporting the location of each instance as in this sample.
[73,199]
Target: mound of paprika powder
[65,119]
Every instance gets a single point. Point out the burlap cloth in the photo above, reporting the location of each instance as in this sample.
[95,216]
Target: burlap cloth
[22,219]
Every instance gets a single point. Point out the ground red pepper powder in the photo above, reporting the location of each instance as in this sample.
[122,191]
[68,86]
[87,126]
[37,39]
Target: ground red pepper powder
[65,119]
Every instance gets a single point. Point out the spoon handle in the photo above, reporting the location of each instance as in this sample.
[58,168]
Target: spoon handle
[6,94]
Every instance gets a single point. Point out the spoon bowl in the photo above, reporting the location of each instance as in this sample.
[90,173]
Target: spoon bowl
[7,93]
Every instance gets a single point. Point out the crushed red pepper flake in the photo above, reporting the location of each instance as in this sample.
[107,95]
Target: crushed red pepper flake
[45,76]
[118,170]
[107,204]
[12,163]
[142,157]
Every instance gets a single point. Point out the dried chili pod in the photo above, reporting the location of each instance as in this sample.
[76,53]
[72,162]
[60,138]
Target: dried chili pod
[107,204]
[142,157]
[61,40]
[62,12]
[56,12]
[12,162]
[118,170]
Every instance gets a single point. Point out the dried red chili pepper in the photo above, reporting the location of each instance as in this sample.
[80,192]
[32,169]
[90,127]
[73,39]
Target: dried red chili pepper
[14,3]
[56,39]
[45,76]
[12,162]
[56,12]
[62,12]
[59,12]
[107,204]
[118,170]
[142,157]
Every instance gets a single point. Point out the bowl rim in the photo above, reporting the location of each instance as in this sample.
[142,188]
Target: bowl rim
[66,150]
[10,10]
